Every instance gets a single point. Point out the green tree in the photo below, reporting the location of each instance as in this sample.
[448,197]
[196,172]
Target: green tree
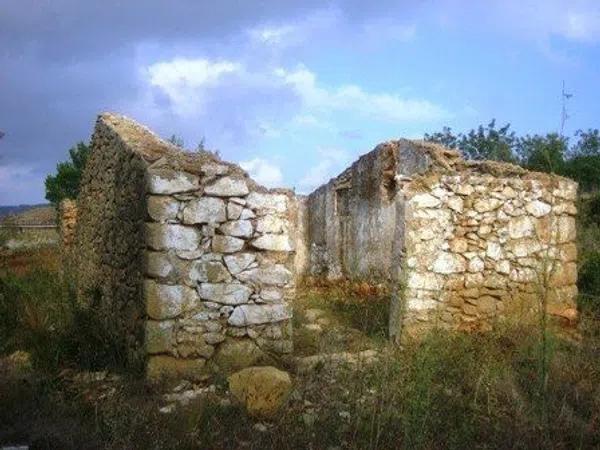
[65,183]
[588,143]
[543,153]
[483,142]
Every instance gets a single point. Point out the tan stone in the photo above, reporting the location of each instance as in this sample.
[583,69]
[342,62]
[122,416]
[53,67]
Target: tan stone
[262,390]
[162,208]
[166,367]
[235,354]
[159,336]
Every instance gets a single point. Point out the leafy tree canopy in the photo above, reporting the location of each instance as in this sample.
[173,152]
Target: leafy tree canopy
[65,183]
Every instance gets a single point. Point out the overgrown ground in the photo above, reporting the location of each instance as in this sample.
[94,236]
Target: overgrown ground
[501,389]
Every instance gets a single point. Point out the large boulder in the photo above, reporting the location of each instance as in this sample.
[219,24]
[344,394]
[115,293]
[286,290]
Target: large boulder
[262,390]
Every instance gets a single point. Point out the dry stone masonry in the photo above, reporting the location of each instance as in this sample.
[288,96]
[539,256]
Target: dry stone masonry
[193,265]
[463,242]
[186,246]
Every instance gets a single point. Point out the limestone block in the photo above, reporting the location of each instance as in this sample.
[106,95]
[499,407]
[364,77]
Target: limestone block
[520,227]
[169,236]
[167,301]
[449,263]
[227,244]
[567,190]
[168,181]
[213,169]
[476,264]
[161,208]
[456,204]
[277,275]
[227,187]
[271,224]
[494,251]
[245,315]
[160,336]
[273,242]
[271,295]
[565,229]
[209,271]
[239,228]
[267,203]
[420,304]
[166,367]
[205,210]
[238,262]
[158,265]
[234,210]
[538,208]
[425,200]
[236,354]
[464,189]
[247,214]
[424,280]
[225,293]
[262,390]
[486,204]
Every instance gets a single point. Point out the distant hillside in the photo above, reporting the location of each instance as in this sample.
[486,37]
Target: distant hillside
[28,214]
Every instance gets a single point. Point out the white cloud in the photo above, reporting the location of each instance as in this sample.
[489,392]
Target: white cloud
[18,183]
[381,106]
[331,162]
[185,80]
[264,172]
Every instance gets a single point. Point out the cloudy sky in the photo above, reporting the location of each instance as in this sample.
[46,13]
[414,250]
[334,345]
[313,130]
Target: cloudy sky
[293,90]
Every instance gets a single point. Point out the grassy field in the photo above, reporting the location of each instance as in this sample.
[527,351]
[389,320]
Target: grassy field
[518,386]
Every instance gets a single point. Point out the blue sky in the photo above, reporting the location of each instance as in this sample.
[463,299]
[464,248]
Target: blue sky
[292,91]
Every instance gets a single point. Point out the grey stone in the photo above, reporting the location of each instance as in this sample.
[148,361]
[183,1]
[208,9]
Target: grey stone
[168,181]
[227,244]
[225,293]
[167,301]
[239,228]
[245,315]
[205,210]
[273,242]
[162,209]
[276,275]
[238,262]
[267,203]
[227,187]
[169,236]
[158,265]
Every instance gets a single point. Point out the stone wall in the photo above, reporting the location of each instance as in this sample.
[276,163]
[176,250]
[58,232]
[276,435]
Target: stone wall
[201,255]
[67,222]
[479,241]
[461,242]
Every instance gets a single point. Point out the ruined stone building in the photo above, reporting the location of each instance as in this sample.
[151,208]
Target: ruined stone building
[193,263]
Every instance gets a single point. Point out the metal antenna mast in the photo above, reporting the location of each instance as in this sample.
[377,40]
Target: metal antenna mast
[564,116]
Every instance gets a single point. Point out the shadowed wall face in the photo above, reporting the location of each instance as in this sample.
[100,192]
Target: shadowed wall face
[110,239]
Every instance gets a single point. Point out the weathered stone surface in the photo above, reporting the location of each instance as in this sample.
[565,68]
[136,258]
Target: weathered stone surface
[227,187]
[425,201]
[238,262]
[235,354]
[170,236]
[226,293]
[245,315]
[538,208]
[239,228]
[270,294]
[158,265]
[521,227]
[267,203]
[162,208]
[234,210]
[205,210]
[160,336]
[262,390]
[209,271]
[276,275]
[273,242]
[168,368]
[449,263]
[227,244]
[271,224]
[165,301]
[168,181]
[213,169]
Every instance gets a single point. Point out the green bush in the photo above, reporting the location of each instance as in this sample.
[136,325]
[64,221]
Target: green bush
[589,282]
